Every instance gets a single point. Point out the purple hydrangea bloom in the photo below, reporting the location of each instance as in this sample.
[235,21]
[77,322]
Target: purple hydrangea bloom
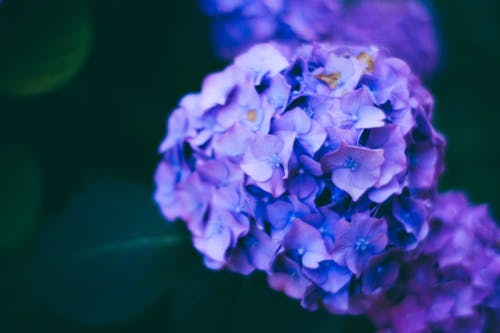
[314,166]
[239,24]
[450,282]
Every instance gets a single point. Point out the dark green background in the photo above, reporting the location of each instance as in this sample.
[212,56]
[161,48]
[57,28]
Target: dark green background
[108,118]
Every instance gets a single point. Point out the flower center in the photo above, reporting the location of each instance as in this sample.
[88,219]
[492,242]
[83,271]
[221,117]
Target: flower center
[251,115]
[350,163]
[367,60]
[361,244]
[275,160]
[218,228]
[331,80]
[309,111]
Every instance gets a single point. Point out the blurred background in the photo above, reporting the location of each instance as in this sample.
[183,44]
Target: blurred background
[85,89]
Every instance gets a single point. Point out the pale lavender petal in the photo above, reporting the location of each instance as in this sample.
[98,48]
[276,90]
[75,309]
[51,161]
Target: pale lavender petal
[381,194]
[261,171]
[261,60]
[216,87]
[278,93]
[177,127]
[266,146]
[314,139]
[294,120]
[392,141]
[233,142]
[370,117]
[307,242]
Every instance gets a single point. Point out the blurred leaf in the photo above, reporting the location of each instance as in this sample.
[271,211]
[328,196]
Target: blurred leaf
[20,198]
[226,302]
[108,256]
[44,44]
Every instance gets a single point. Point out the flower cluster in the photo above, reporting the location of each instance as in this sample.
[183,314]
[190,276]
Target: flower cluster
[308,165]
[239,24]
[451,282]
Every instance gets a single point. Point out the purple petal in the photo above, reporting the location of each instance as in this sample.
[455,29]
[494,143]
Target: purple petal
[310,19]
[261,60]
[278,93]
[329,275]
[177,128]
[381,194]
[233,142]
[353,101]
[370,117]
[314,139]
[302,185]
[383,270]
[294,120]
[423,159]
[215,244]
[266,146]
[288,278]
[261,249]
[308,243]
[245,105]
[411,213]
[274,185]
[280,213]
[216,87]
[261,171]
[354,169]
[310,165]
[337,302]
[392,141]
[214,172]
[288,139]
[222,230]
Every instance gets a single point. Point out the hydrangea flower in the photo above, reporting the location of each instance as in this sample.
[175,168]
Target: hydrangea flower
[450,282]
[239,24]
[309,165]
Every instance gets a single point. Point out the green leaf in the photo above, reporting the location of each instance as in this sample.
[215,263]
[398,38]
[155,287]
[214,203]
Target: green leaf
[226,302]
[20,198]
[44,44]
[108,256]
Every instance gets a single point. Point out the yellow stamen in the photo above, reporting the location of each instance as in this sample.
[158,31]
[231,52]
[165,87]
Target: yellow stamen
[330,79]
[251,115]
[368,60]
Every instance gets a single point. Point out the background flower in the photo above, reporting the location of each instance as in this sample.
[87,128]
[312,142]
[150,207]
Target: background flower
[450,281]
[237,25]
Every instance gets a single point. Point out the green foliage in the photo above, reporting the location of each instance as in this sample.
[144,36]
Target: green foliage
[107,256]
[20,198]
[44,44]
[226,302]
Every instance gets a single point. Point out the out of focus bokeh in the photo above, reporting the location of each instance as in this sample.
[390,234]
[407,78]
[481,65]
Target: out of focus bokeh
[85,90]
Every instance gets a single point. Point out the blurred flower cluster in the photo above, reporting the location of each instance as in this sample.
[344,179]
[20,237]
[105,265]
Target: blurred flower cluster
[450,283]
[405,27]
